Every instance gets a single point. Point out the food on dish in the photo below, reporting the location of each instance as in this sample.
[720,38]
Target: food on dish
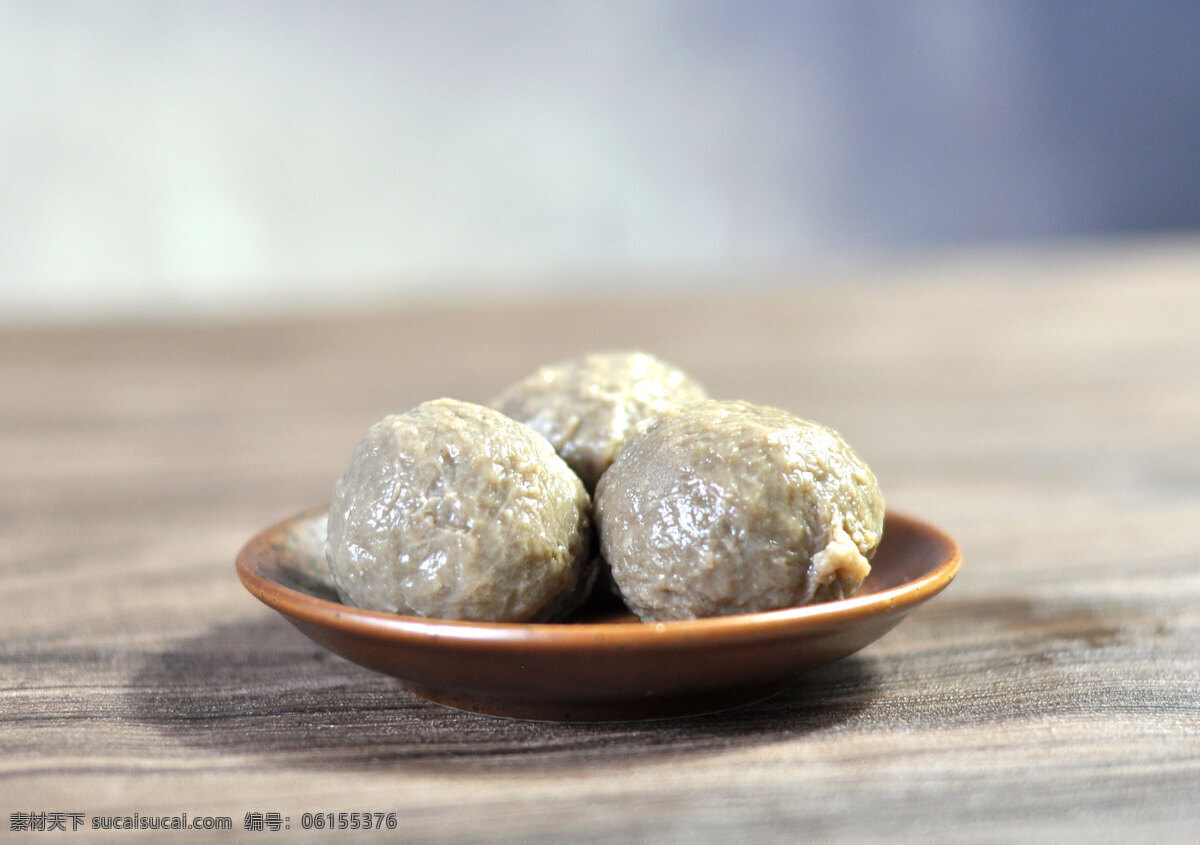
[702,508]
[716,508]
[587,407]
[456,511]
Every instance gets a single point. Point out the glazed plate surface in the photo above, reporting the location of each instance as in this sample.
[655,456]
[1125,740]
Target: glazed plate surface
[603,664]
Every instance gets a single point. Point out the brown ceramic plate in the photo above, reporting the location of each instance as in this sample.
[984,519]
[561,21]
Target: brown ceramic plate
[604,664]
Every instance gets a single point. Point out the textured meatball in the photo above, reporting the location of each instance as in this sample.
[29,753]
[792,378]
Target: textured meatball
[587,407]
[455,511]
[718,508]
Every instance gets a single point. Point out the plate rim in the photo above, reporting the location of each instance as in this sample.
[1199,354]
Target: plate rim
[374,624]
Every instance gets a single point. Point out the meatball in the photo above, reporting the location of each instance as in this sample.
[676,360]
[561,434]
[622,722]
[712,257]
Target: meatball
[718,508]
[587,407]
[455,511]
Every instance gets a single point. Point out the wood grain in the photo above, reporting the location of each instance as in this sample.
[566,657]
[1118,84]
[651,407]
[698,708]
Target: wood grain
[1043,407]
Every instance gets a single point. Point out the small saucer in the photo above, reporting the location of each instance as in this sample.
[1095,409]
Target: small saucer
[603,664]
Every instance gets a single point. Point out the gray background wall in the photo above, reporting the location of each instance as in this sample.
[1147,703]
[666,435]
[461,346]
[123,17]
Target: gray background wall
[162,158]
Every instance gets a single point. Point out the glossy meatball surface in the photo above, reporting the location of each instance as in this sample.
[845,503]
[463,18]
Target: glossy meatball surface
[717,508]
[455,511]
[587,407]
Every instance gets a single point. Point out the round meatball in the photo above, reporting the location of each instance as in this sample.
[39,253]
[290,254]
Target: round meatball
[586,408]
[718,508]
[455,511]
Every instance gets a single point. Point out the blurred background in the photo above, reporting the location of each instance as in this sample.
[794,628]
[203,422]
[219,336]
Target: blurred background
[167,159]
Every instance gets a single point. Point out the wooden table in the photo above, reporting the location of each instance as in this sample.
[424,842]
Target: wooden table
[1043,407]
